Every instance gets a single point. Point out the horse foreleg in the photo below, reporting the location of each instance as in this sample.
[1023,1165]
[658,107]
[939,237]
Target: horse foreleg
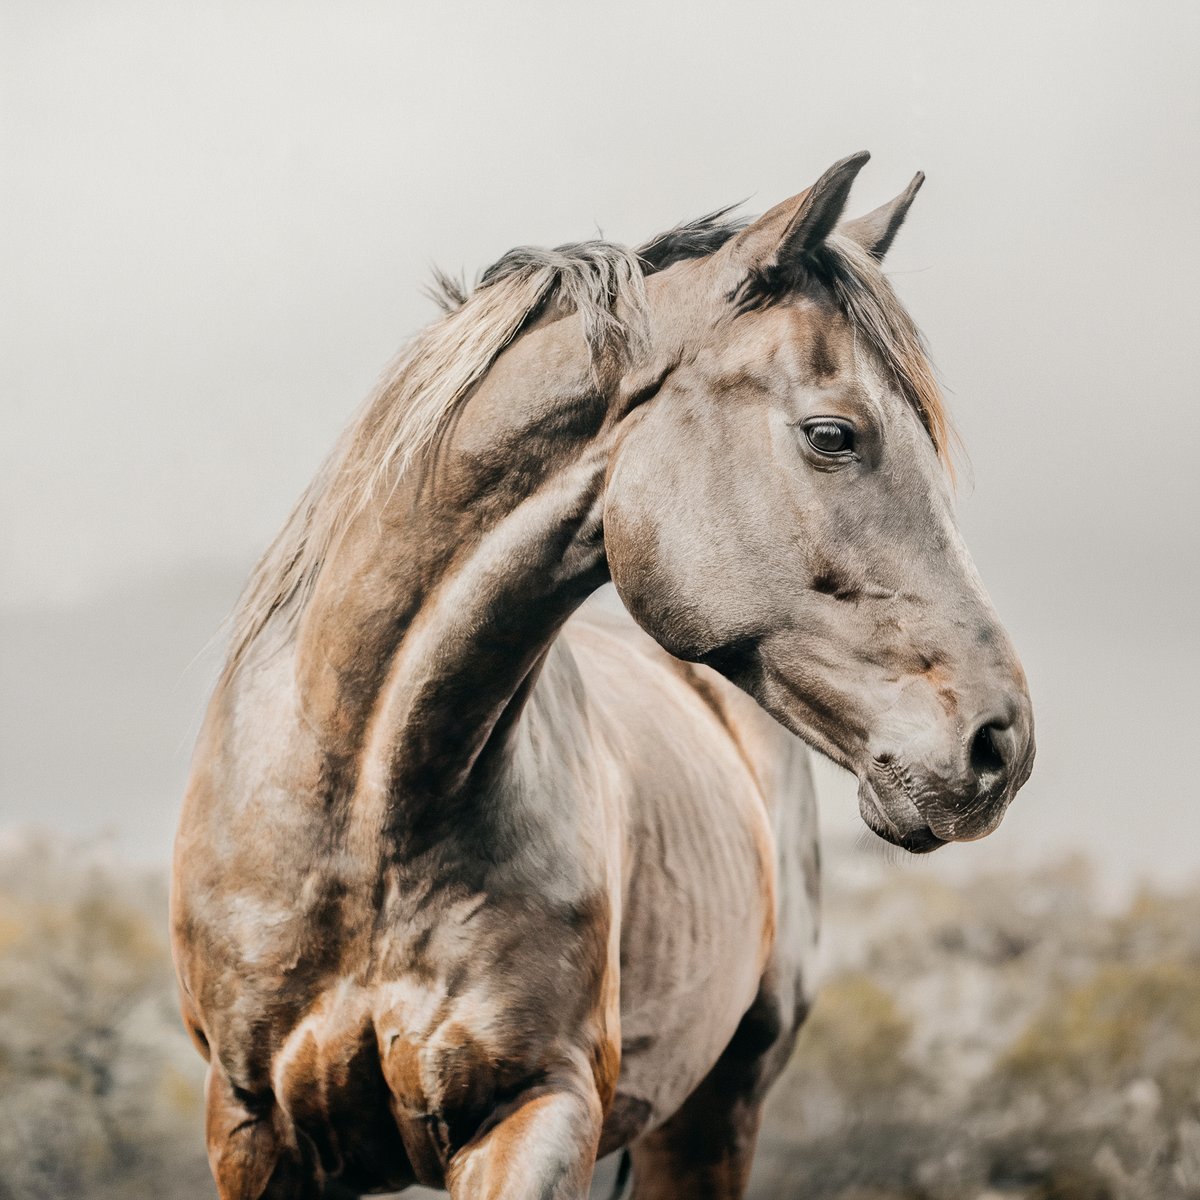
[704,1151]
[541,1146]
[245,1152]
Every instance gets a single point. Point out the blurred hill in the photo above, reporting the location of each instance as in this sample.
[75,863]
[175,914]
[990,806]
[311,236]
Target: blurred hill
[100,703]
[1002,1040]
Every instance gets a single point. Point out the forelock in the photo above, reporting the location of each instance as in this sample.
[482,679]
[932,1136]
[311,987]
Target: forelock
[841,271]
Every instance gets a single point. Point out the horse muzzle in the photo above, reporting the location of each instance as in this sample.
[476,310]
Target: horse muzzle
[955,791]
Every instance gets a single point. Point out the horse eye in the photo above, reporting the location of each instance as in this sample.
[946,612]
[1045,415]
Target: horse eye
[829,437]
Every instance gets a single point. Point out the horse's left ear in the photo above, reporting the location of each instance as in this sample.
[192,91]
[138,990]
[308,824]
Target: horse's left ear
[791,229]
[877,230]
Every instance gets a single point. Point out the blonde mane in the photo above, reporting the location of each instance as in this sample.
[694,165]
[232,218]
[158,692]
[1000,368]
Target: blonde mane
[604,284]
[420,391]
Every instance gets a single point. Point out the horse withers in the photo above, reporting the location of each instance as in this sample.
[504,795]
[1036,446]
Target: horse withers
[475,881]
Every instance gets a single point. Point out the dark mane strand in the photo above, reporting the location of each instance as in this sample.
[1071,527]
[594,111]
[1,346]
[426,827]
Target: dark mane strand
[692,239]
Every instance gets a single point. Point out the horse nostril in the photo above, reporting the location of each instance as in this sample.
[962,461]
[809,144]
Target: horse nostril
[989,749]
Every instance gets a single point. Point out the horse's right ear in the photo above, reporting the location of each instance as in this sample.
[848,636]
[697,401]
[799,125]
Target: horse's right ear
[791,229]
[877,230]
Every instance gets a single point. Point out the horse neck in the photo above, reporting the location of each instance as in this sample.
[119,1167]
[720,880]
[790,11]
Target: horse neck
[427,626]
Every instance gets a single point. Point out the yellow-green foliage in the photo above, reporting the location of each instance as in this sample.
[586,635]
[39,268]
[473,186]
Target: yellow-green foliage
[1125,1022]
[856,1035]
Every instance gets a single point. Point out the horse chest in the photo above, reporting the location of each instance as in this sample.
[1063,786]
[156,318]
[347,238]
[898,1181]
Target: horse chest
[458,1001]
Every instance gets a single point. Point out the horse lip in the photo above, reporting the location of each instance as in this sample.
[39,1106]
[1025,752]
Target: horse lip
[921,840]
[986,822]
[890,790]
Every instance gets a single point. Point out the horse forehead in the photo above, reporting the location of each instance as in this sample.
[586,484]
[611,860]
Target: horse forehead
[805,342]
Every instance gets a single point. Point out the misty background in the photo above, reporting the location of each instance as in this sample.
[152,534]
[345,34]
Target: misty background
[216,220]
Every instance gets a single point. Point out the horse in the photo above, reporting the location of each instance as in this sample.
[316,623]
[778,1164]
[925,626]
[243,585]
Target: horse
[480,877]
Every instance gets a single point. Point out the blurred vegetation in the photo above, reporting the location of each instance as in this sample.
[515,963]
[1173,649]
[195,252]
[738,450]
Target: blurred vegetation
[1003,1040]
[99,1097]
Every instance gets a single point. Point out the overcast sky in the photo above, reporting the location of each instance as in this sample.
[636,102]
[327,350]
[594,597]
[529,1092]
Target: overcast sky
[217,219]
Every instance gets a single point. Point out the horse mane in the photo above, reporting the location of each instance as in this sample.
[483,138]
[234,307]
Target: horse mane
[604,283]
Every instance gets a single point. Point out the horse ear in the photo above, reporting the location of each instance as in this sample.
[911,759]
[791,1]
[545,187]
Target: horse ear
[791,229]
[877,230]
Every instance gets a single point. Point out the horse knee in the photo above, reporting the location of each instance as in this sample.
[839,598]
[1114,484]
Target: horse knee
[541,1144]
[245,1152]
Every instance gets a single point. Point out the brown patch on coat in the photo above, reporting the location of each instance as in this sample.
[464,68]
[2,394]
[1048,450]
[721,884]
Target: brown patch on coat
[607,1062]
[425,1138]
[373,1151]
[302,1093]
[938,678]
[401,1065]
[243,1144]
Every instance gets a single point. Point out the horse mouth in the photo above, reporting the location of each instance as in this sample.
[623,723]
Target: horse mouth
[921,841]
[918,840]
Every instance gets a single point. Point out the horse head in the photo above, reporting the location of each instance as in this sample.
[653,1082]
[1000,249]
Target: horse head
[782,511]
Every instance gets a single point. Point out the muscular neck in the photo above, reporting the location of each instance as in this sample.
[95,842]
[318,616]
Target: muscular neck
[427,627]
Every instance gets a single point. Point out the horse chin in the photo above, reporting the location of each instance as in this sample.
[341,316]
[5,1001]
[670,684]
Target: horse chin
[921,841]
[916,839]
